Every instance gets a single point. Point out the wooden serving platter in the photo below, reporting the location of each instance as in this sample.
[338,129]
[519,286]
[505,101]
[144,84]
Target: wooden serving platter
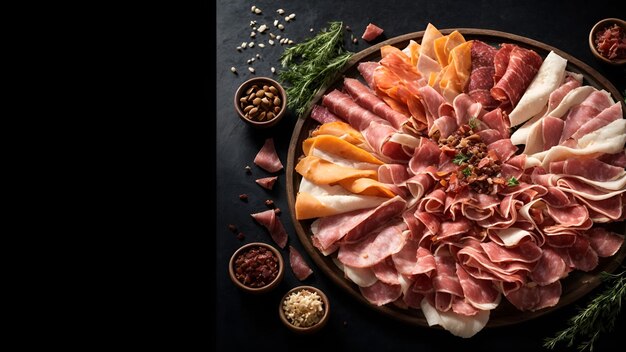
[575,286]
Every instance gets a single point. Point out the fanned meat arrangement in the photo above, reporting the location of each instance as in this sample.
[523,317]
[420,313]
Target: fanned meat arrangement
[421,195]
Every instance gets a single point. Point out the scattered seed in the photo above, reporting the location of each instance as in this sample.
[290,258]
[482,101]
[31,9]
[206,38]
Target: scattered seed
[287,19]
[257,55]
[280,26]
[238,48]
[251,44]
[251,69]
[348,29]
[262,28]
[253,8]
[233,69]
[280,11]
[269,203]
[278,37]
[241,236]
[355,41]
[248,169]
[311,30]
[290,41]
[271,42]
[243,197]
[292,16]
[244,45]
[254,28]
[261,45]
[252,23]
[275,23]
[257,11]
[252,34]
[273,69]
[272,35]
[232,227]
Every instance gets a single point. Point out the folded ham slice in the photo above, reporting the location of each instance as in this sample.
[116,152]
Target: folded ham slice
[372,32]
[272,223]
[267,157]
[515,69]
[374,247]
[267,182]
[367,99]
[298,265]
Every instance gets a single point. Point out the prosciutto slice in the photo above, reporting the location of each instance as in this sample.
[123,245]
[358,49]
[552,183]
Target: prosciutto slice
[299,267]
[270,221]
[372,32]
[521,67]
[375,247]
[604,242]
[267,182]
[322,115]
[367,99]
[481,77]
[367,71]
[381,293]
[267,158]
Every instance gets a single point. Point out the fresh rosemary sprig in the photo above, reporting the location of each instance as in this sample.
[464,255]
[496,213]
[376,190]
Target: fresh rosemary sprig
[598,317]
[460,159]
[512,182]
[312,64]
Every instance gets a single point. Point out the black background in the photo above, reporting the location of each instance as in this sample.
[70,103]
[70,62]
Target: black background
[251,322]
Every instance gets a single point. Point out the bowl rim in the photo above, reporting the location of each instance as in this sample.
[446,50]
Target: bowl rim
[320,324]
[600,24]
[283,105]
[269,286]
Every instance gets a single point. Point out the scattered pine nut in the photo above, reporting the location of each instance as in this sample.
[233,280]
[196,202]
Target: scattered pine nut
[251,69]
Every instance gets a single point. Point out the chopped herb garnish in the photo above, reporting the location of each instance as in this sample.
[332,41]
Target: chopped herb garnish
[512,182]
[467,171]
[310,65]
[460,159]
[472,122]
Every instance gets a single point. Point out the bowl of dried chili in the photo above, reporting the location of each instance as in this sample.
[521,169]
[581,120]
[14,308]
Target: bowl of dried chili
[256,267]
[607,41]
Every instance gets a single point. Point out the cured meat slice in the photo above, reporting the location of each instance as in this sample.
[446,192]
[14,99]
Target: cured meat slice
[299,267]
[366,69]
[363,277]
[355,224]
[457,324]
[481,77]
[532,298]
[375,247]
[322,115]
[367,99]
[584,112]
[267,182]
[267,158]
[503,148]
[550,268]
[272,223]
[604,242]
[521,67]
[386,272]
[591,169]
[381,293]
[479,293]
[607,116]
[343,106]
[372,32]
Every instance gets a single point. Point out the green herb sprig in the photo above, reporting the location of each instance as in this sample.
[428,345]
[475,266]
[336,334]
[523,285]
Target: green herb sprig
[312,64]
[512,182]
[599,316]
[472,122]
[460,159]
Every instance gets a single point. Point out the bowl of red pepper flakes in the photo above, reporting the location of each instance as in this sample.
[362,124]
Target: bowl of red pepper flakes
[256,267]
[607,41]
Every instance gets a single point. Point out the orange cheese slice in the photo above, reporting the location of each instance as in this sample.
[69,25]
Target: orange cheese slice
[342,130]
[337,146]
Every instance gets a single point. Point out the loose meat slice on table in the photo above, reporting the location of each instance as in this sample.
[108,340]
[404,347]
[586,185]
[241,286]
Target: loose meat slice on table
[267,157]
[267,182]
[271,222]
[372,31]
[299,267]
[515,68]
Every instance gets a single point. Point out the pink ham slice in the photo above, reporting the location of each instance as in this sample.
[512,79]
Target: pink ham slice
[322,115]
[343,106]
[584,112]
[481,77]
[604,118]
[381,293]
[479,293]
[367,99]
[386,272]
[267,158]
[375,247]
[299,267]
[445,282]
[496,120]
[591,169]
[355,224]
[533,298]
[521,67]
[366,69]
[426,154]
[267,182]
[552,129]
[582,255]
[604,242]
[503,148]
[557,96]
[271,222]
[372,32]
[550,268]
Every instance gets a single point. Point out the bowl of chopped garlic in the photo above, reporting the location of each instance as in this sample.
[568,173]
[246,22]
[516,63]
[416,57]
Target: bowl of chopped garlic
[304,309]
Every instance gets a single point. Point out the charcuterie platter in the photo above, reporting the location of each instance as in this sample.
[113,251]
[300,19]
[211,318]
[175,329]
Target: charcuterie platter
[572,284]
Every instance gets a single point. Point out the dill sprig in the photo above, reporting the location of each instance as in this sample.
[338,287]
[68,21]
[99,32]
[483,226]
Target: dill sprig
[312,64]
[599,316]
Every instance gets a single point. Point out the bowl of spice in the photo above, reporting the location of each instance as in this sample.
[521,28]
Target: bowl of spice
[304,309]
[256,267]
[261,102]
[607,41]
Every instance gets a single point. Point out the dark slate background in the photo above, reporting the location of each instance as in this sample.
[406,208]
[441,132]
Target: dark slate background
[248,322]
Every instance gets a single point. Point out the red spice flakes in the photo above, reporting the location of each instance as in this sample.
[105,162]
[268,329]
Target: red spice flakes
[269,203]
[256,267]
[243,197]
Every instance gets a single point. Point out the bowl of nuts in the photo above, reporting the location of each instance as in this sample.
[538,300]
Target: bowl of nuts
[256,267]
[261,102]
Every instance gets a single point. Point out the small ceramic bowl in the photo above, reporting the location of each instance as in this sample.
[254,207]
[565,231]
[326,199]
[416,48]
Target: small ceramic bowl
[269,286]
[310,329]
[592,35]
[258,118]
